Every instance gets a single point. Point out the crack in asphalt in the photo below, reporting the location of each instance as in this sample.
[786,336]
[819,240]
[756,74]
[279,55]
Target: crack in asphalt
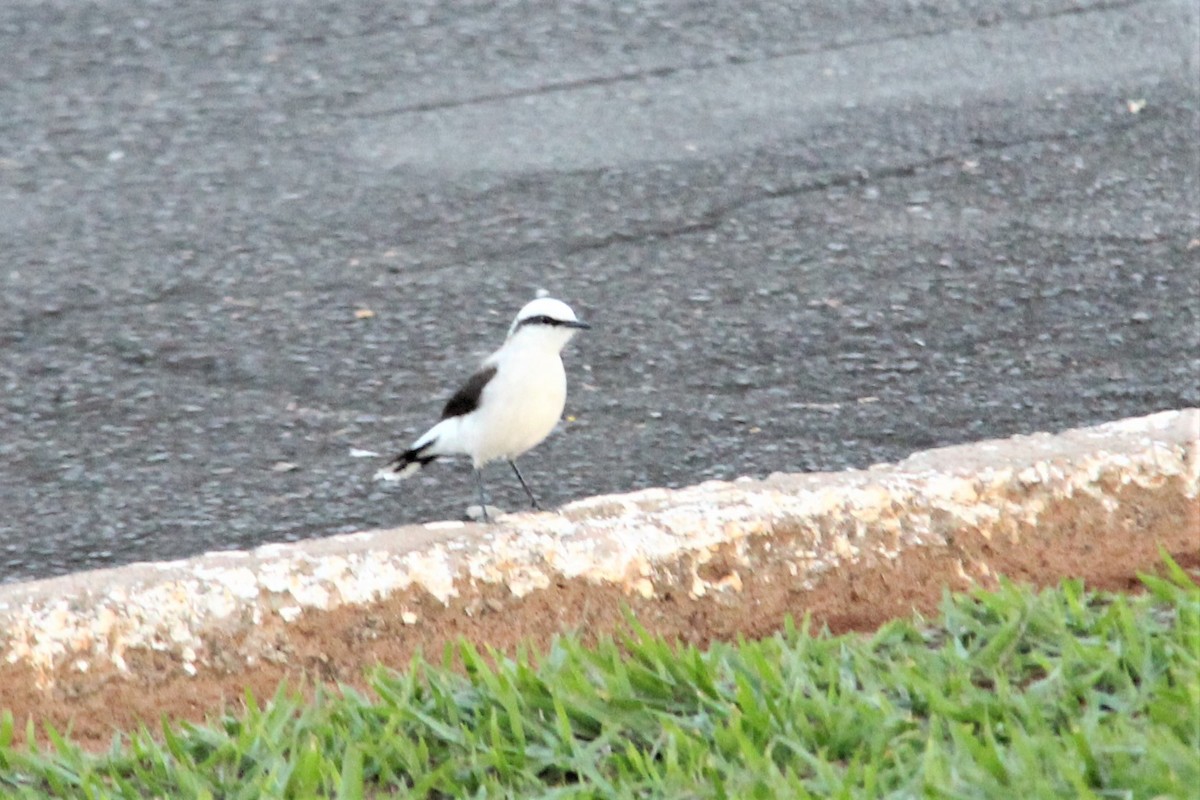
[713,218]
[666,71]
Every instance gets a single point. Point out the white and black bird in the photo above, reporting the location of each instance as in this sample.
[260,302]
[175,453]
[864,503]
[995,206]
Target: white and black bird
[509,405]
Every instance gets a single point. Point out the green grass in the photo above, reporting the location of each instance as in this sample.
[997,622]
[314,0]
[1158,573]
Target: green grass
[1010,694]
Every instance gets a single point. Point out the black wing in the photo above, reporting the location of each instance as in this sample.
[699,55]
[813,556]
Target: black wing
[466,399]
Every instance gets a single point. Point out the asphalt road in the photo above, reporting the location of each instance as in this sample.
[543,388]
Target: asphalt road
[240,240]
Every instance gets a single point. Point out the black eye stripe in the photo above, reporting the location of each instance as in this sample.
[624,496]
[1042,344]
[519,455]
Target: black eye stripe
[541,319]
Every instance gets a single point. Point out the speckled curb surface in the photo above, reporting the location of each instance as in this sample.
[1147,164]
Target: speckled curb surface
[1013,493]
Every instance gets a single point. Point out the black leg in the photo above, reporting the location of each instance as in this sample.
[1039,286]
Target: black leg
[482,494]
[524,485]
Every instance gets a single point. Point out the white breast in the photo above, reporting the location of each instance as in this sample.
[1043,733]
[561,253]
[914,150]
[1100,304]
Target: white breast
[519,407]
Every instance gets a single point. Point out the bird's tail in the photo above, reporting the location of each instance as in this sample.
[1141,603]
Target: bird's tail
[408,462]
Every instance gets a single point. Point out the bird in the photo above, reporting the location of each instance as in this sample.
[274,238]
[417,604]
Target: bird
[508,406]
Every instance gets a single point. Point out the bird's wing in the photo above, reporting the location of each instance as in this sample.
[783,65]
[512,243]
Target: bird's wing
[466,399]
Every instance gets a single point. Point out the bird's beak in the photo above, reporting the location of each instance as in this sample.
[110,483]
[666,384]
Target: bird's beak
[577,323]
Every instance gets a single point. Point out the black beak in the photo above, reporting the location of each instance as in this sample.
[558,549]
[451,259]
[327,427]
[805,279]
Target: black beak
[576,323]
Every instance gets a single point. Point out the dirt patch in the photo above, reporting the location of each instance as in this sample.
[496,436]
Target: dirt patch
[337,646]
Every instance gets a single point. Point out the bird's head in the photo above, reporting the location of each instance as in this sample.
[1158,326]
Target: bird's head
[546,320]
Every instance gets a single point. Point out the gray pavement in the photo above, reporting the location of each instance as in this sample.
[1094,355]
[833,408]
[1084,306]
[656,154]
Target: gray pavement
[809,237]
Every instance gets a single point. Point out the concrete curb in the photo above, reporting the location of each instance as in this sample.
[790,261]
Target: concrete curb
[708,542]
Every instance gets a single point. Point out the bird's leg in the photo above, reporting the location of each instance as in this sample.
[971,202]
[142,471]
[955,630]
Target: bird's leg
[524,485]
[482,494]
